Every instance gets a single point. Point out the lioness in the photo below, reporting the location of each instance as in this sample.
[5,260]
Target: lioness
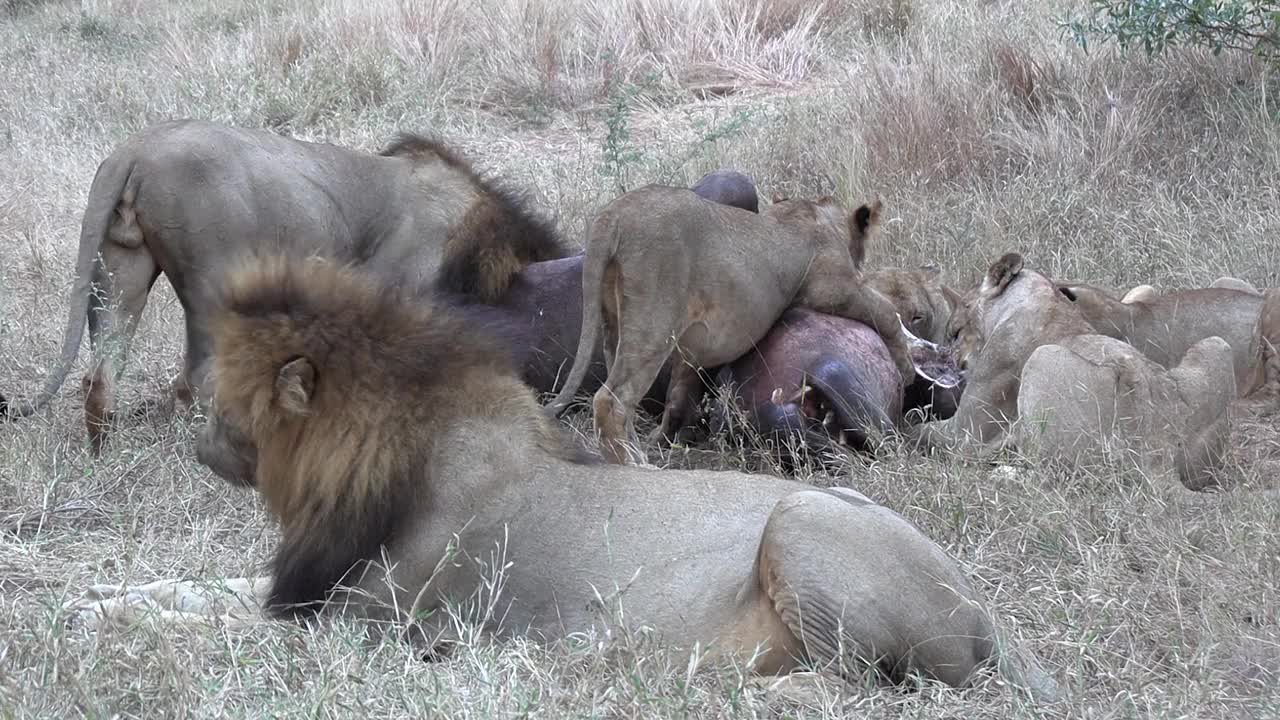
[1226,282]
[920,297]
[925,305]
[1165,327]
[1032,358]
[391,429]
[183,198]
[666,269]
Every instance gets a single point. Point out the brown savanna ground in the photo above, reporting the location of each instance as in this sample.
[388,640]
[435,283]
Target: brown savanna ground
[983,130]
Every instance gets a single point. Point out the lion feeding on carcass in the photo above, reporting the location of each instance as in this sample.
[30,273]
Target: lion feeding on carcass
[667,271]
[1040,379]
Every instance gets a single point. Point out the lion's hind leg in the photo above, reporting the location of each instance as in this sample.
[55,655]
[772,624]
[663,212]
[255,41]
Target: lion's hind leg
[862,589]
[122,281]
[642,343]
[234,602]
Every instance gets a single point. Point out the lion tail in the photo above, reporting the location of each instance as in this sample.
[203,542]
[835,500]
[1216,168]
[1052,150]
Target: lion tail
[602,245]
[104,194]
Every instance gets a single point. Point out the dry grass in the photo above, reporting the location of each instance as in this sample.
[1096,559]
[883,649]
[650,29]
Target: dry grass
[983,131]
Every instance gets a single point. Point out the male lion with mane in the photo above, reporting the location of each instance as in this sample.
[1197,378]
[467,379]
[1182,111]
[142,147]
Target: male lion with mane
[392,429]
[667,270]
[185,198]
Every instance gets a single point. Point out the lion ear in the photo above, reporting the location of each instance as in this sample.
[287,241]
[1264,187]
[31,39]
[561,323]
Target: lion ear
[954,298]
[931,270]
[1002,272]
[295,385]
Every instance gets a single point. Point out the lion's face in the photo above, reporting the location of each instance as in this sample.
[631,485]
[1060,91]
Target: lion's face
[227,452]
[925,311]
[962,330]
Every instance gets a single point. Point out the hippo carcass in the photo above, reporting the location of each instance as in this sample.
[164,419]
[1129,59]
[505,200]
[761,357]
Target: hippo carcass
[538,320]
[729,187]
[825,378]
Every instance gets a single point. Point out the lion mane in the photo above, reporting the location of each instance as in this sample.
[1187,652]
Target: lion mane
[342,384]
[498,236]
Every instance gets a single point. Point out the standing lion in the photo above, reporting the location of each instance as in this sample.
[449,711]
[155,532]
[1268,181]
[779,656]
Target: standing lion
[185,198]
[668,271]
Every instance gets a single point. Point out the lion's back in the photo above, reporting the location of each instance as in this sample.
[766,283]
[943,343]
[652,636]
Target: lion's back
[657,219]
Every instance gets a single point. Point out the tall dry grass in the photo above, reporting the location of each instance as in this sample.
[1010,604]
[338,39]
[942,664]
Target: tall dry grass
[979,126]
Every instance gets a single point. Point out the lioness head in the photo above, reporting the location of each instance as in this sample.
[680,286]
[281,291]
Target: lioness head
[919,296]
[860,224]
[964,331]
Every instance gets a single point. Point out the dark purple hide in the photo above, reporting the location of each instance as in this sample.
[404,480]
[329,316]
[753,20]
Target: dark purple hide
[539,320]
[729,187]
[845,363]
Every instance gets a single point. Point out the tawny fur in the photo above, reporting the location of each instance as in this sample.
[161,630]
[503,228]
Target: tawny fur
[1163,327]
[496,237]
[1140,293]
[341,473]
[390,429]
[920,297]
[1226,282]
[1264,382]
[1040,379]
[668,274]
[184,198]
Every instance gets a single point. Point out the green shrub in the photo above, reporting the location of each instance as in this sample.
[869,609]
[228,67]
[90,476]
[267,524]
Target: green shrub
[1245,25]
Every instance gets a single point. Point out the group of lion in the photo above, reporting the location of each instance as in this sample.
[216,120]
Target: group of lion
[357,333]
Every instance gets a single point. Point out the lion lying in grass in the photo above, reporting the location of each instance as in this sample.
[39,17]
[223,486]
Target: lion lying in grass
[1164,326]
[1041,380]
[390,429]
